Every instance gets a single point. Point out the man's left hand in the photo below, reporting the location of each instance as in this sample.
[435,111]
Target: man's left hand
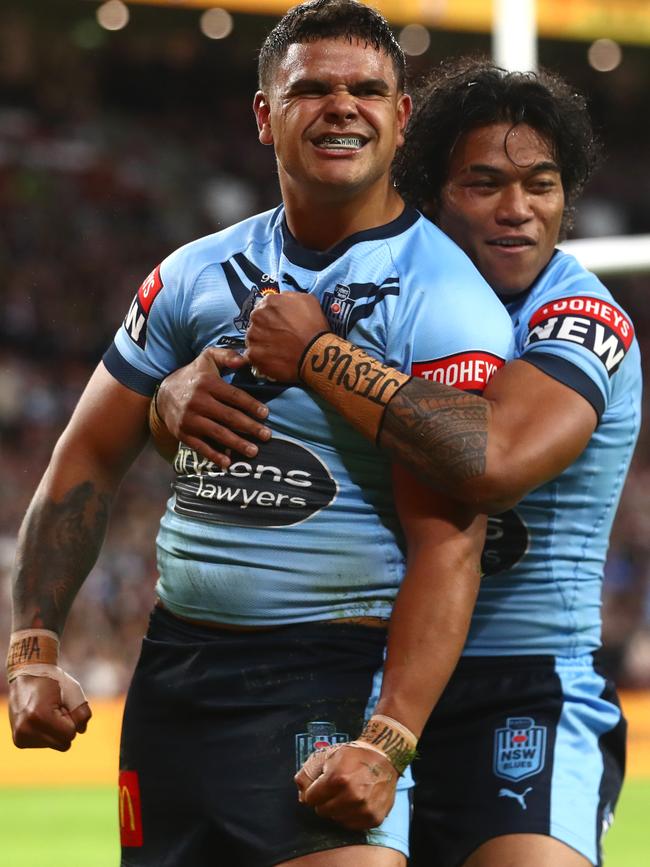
[281,327]
[350,785]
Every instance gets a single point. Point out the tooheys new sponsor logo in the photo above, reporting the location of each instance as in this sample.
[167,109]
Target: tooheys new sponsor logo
[590,322]
[469,371]
[136,319]
[284,485]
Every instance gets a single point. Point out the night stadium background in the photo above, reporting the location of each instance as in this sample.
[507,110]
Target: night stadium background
[118,144]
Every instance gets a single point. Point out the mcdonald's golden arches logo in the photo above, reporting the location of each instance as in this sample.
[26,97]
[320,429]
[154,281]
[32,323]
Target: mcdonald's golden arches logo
[129,809]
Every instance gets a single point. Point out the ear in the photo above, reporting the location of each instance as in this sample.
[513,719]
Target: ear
[404,110]
[262,111]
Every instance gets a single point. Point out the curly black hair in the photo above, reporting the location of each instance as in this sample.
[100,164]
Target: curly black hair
[472,92]
[329,19]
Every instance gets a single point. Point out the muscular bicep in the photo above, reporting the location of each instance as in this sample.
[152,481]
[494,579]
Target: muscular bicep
[537,427]
[106,431]
[63,529]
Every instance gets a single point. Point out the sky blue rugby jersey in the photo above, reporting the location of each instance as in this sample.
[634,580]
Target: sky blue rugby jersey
[543,561]
[307,530]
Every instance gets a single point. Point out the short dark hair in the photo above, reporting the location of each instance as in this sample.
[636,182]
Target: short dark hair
[329,19]
[473,92]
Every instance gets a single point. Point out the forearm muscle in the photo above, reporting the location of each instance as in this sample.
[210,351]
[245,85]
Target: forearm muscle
[57,547]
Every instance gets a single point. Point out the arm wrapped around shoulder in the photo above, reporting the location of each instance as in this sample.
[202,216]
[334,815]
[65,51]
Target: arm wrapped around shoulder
[357,385]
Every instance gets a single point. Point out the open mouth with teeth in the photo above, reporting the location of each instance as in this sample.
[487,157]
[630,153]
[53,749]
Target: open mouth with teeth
[511,242]
[340,142]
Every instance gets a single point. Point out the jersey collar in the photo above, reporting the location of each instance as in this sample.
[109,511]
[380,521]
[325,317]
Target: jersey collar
[317,260]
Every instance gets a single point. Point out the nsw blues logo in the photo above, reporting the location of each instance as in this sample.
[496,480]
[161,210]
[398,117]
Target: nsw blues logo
[519,749]
[337,306]
[318,735]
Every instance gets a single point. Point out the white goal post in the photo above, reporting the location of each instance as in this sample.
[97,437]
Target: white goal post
[626,254]
[514,46]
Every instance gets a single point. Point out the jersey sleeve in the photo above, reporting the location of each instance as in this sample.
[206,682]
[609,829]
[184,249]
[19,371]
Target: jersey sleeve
[581,340]
[464,333]
[153,339]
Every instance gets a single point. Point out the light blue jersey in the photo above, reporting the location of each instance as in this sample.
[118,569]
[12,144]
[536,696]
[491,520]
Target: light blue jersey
[307,530]
[544,560]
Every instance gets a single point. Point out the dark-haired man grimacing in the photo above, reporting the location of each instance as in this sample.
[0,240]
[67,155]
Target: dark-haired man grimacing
[522,759]
[277,573]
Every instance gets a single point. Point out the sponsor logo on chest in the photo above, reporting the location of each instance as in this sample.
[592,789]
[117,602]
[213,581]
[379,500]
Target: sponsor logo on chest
[469,371]
[284,485]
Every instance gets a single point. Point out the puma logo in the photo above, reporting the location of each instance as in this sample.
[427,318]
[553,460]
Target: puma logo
[508,793]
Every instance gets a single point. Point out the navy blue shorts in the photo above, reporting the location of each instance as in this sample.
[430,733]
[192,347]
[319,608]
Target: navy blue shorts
[217,723]
[518,745]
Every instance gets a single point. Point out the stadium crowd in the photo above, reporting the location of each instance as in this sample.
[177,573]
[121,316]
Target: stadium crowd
[113,153]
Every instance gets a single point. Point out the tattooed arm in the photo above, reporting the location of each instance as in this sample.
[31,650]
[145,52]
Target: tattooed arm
[487,451]
[490,450]
[60,539]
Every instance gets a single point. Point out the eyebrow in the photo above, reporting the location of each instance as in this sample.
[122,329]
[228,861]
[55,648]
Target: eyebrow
[319,84]
[544,166]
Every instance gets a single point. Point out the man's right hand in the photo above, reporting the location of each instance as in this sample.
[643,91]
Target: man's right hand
[39,719]
[202,411]
[281,328]
[349,785]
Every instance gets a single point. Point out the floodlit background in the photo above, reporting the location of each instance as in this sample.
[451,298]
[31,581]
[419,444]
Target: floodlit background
[125,131]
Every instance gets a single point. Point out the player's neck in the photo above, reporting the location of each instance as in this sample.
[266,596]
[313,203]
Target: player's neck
[320,225]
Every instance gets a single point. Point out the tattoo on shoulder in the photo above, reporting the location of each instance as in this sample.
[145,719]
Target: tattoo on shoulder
[437,431]
[59,543]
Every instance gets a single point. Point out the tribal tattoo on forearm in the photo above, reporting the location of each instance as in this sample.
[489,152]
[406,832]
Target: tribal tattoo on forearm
[440,433]
[57,547]
[437,431]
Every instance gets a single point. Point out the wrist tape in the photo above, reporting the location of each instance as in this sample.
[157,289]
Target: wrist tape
[390,738]
[166,444]
[35,652]
[355,383]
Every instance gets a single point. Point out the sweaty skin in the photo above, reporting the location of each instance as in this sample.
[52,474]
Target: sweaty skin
[324,88]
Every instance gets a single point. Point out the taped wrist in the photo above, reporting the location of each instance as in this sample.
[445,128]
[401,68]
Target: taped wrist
[166,444]
[35,652]
[355,383]
[389,737]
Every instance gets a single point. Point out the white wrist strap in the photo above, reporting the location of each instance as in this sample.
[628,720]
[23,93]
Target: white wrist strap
[72,695]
